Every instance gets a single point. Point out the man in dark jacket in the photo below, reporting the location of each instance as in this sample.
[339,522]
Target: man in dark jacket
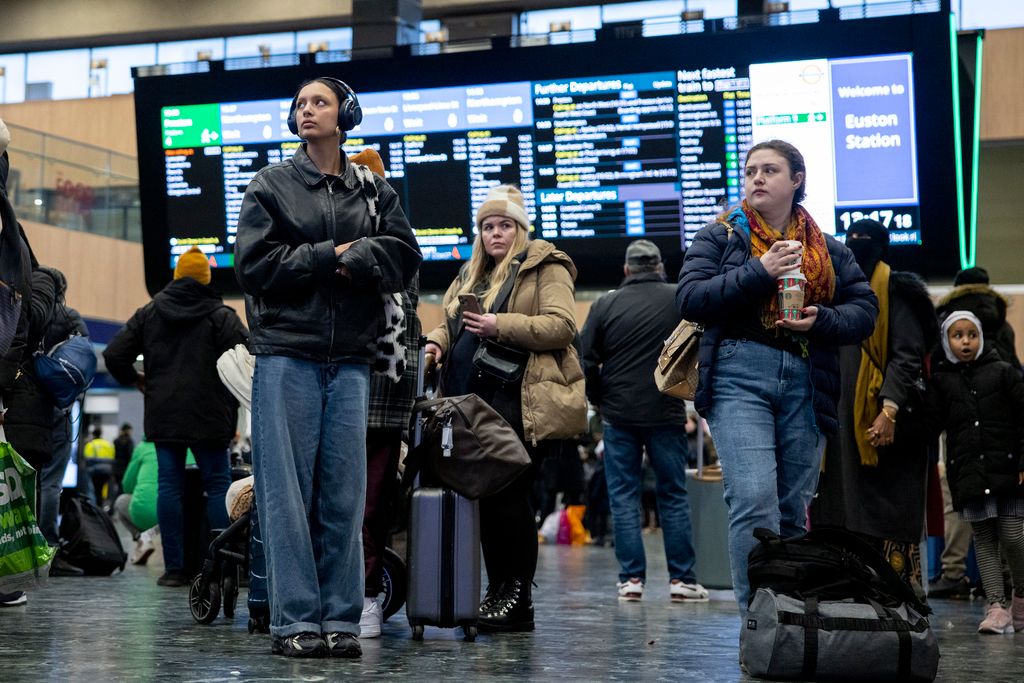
[622,339]
[180,334]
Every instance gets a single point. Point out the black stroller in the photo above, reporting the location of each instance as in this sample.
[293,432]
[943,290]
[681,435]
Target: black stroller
[237,552]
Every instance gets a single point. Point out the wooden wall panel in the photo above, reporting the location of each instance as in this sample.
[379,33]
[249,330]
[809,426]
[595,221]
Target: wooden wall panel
[107,122]
[105,276]
[1002,97]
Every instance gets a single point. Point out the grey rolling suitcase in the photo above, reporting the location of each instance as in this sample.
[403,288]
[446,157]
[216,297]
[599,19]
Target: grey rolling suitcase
[444,562]
[710,519]
[443,551]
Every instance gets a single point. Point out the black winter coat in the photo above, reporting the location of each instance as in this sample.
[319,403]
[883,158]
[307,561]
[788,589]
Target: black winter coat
[622,339]
[16,264]
[720,280]
[981,406]
[31,415]
[291,219]
[181,333]
[887,500]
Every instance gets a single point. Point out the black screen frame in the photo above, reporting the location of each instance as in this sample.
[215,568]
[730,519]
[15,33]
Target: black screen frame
[599,261]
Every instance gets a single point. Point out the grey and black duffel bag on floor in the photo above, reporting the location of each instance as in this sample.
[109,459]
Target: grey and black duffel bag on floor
[828,607]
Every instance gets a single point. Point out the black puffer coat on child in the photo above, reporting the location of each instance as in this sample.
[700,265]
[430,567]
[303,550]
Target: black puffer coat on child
[980,404]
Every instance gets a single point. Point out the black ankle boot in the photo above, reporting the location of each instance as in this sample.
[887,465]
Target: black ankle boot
[494,593]
[511,611]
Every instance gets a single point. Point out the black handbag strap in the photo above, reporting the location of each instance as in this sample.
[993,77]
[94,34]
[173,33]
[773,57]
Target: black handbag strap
[506,287]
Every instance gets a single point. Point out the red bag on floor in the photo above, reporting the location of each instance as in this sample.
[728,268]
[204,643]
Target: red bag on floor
[564,528]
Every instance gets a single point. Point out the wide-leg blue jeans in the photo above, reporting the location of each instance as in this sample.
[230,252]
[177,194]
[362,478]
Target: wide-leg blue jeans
[309,457]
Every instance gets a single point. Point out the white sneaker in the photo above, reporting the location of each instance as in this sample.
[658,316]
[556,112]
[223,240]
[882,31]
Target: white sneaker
[631,591]
[144,547]
[371,619]
[687,592]
[15,599]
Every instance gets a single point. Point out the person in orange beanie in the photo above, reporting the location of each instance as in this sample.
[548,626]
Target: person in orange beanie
[180,335]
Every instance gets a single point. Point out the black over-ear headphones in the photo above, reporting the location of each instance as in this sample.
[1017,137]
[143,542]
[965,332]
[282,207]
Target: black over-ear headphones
[350,114]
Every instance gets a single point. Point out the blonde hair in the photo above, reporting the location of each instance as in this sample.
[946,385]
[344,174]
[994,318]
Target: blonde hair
[476,270]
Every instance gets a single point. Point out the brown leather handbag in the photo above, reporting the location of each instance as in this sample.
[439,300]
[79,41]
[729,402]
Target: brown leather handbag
[676,374]
[466,446]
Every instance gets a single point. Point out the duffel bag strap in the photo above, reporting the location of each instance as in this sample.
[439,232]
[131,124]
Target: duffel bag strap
[902,629]
[810,639]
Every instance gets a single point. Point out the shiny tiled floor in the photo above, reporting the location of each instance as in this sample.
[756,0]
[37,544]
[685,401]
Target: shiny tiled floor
[126,628]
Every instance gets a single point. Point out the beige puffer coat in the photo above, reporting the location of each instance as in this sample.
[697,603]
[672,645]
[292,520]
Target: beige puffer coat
[541,319]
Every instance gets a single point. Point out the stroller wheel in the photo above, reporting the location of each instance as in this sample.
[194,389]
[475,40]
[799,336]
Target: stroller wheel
[230,592]
[206,605]
[394,580]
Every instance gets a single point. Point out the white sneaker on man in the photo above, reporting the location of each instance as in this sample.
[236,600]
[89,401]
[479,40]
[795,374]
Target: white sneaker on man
[631,590]
[145,544]
[687,592]
[371,619]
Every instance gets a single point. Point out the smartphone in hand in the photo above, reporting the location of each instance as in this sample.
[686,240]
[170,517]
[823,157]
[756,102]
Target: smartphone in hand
[470,303]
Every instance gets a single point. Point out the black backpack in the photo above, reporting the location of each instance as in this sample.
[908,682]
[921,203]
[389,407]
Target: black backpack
[827,563]
[88,538]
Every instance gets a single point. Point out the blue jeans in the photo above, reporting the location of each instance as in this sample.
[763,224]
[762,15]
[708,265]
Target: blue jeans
[762,421]
[309,457]
[51,480]
[623,456]
[216,472]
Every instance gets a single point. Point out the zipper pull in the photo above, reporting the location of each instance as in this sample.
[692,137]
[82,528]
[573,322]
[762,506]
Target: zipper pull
[447,438]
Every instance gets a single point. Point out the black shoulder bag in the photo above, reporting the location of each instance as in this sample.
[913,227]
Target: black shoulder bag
[500,361]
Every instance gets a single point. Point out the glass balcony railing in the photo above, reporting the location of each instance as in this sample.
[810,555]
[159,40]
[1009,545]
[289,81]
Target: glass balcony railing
[62,182]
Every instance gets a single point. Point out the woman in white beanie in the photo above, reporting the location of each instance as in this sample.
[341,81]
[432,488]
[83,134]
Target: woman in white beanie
[525,299]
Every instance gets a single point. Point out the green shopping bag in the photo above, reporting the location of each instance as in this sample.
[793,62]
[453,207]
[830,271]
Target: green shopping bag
[24,553]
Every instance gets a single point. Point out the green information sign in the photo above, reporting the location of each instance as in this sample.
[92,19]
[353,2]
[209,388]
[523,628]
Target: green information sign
[775,119]
[196,125]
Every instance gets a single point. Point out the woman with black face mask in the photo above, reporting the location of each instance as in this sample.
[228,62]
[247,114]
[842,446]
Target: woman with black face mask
[875,471]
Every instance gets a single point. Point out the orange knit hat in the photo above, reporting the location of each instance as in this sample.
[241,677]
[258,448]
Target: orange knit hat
[194,264]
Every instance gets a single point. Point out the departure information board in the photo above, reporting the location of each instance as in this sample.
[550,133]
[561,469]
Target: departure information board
[620,155]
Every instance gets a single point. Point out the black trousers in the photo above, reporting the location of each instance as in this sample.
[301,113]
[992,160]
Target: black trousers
[508,528]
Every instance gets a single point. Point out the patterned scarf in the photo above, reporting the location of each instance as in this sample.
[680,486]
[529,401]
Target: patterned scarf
[816,265]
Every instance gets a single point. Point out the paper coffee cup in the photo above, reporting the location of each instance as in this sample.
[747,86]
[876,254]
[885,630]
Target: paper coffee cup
[791,295]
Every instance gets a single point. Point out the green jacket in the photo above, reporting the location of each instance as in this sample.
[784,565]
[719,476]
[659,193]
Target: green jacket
[140,480]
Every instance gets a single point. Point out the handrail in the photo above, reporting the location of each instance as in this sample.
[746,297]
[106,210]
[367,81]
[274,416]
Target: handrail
[70,141]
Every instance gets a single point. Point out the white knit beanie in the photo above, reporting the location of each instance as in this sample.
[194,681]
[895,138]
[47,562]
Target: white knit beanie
[5,137]
[506,201]
[948,323]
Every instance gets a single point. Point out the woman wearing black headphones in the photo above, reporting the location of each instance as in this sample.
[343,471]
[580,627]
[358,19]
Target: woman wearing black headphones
[313,266]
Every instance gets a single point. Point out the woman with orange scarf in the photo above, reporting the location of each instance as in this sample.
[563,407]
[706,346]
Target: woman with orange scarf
[768,384]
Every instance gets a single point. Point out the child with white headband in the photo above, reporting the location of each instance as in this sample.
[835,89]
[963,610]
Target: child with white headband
[979,400]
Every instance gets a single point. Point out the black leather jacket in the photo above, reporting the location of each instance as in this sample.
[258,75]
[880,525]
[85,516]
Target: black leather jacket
[292,217]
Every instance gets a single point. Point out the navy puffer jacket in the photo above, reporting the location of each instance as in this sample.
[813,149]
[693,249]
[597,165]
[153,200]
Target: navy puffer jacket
[720,280]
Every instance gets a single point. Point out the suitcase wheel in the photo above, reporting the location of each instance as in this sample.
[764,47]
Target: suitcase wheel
[470,634]
[260,624]
[417,632]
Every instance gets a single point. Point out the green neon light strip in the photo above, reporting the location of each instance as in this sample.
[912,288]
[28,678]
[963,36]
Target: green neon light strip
[972,255]
[958,152]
